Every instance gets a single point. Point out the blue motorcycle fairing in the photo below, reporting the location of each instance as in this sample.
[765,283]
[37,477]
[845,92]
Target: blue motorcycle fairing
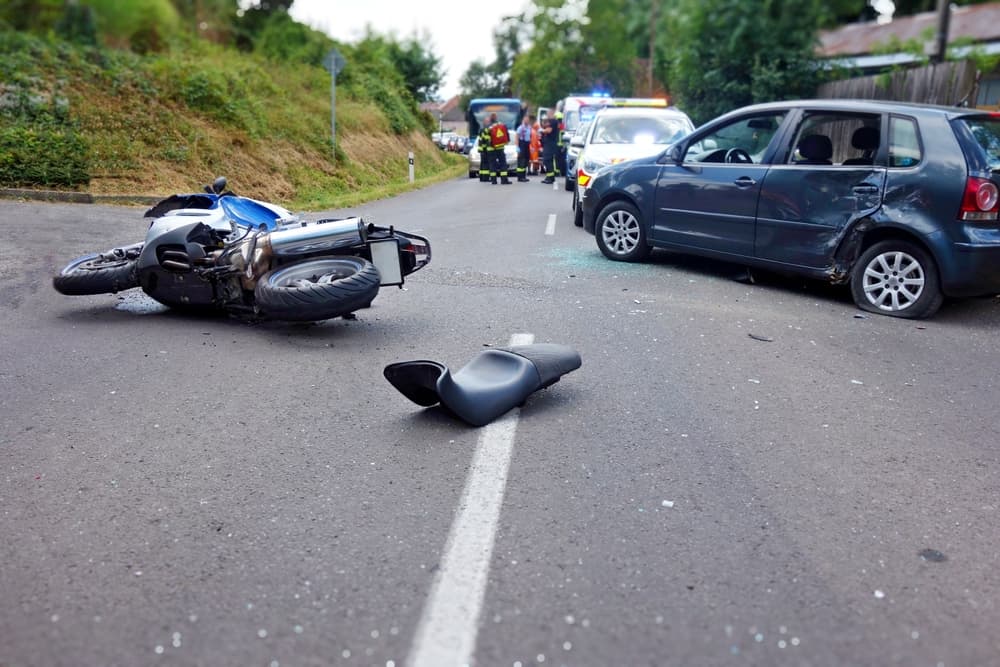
[244,212]
[249,213]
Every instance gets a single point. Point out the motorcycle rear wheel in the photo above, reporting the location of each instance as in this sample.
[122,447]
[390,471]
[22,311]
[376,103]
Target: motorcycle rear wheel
[317,289]
[96,274]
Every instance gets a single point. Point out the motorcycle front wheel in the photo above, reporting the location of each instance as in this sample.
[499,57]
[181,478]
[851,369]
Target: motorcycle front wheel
[97,274]
[317,289]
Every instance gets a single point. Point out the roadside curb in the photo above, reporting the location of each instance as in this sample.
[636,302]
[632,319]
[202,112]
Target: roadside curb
[75,197]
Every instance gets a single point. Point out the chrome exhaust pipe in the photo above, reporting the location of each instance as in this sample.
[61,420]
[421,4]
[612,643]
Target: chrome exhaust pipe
[317,237]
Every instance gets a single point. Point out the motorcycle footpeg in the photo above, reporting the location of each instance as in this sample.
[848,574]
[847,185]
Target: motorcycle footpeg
[491,384]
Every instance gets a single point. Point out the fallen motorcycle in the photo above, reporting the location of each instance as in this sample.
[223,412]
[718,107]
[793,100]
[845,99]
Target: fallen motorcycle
[221,252]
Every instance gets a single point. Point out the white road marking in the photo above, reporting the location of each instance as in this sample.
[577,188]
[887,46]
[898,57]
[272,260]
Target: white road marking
[555,186]
[550,228]
[446,635]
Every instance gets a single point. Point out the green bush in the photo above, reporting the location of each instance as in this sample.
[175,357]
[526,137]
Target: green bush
[43,154]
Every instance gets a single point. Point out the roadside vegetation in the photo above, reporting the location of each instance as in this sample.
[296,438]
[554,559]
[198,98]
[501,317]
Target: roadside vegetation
[129,100]
[708,56]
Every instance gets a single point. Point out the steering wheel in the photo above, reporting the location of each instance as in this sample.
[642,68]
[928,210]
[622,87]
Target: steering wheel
[738,155]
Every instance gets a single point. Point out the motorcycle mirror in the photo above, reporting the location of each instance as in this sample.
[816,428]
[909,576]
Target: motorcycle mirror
[219,185]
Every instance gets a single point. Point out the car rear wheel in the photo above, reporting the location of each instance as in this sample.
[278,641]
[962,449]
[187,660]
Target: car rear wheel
[896,278]
[620,233]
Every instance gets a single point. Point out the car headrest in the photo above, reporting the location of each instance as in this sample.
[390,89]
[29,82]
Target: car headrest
[816,148]
[865,138]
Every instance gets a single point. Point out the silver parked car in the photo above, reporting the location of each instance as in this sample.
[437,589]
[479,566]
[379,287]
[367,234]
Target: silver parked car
[510,150]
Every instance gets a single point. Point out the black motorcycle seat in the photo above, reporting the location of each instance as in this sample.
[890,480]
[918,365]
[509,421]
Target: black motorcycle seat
[495,381]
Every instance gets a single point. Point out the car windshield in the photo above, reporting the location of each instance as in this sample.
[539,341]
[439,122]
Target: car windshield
[987,134]
[638,130]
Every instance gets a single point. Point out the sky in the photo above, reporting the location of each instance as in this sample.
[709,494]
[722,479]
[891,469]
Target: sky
[461,31]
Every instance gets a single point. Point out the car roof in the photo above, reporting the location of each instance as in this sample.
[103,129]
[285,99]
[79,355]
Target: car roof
[639,111]
[862,106]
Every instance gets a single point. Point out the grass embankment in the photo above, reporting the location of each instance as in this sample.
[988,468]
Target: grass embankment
[113,122]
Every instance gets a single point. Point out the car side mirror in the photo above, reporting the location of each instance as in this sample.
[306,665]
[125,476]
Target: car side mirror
[576,142]
[675,154]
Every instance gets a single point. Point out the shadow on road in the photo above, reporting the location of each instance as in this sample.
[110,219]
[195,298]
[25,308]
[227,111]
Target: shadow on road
[978,311]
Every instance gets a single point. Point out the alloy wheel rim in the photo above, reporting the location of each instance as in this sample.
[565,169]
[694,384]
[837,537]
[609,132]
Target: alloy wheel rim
[893,281]
[317,273]
[620,232]
[101,263]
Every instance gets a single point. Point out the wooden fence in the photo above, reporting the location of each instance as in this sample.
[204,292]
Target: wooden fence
[948,83]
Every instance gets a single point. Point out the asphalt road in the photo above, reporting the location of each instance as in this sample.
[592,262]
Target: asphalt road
[739,474]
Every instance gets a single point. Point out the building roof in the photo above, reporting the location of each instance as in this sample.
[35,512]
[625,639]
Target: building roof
[979,22]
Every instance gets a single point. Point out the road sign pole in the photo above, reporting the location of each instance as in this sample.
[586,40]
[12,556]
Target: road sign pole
[334,62]
[333,113]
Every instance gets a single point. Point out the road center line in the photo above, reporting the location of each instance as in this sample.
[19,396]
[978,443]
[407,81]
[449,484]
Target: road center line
[446,634]
[550,228]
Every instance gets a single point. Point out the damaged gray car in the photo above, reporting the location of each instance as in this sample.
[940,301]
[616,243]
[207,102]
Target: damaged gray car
[898,201]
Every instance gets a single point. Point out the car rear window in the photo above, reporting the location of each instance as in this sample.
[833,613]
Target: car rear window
[986,131]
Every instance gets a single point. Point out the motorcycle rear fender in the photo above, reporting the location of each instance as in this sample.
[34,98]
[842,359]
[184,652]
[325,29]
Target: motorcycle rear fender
[413,251]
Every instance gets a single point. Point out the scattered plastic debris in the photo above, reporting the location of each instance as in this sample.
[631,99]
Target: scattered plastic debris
[879,594]
[138,303]
[933,555]
[667,503]
[856,382]
[763,339]
[860,316]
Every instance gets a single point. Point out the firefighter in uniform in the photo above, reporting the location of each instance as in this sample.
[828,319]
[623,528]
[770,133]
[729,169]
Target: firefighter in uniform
[485,155]
[550,139]
[561,146]
[499,138]
[524,148]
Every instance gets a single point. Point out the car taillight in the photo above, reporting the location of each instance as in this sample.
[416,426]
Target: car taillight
[980,201]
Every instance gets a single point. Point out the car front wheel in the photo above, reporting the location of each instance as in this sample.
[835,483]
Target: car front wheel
[896,278]
[620,233]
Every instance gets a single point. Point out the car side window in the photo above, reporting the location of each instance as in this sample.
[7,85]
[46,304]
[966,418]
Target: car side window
[831,138]
[904,142]
[742,141]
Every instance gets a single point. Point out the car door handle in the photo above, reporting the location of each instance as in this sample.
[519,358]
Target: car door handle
[865,189]
[744,182]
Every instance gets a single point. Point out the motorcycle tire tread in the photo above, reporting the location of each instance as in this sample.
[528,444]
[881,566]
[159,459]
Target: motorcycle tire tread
[316,301]
[77,281]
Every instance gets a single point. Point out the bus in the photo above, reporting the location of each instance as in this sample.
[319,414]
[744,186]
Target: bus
[508,110]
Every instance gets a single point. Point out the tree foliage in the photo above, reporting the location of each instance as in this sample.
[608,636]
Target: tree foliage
[574,45]
[729,53]
[419,67]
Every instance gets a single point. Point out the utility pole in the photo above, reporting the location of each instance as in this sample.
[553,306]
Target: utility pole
[653,28]
[941,46]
